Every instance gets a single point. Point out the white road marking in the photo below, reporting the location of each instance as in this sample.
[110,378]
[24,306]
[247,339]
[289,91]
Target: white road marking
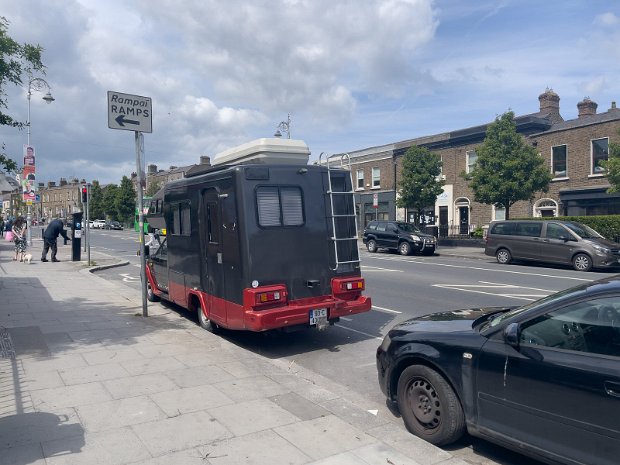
[386,310]
[360,332]
[376,268]
[497,288]
[481,269]
[127,278]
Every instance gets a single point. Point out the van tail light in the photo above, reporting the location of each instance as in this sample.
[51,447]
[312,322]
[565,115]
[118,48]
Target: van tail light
[265,297]
[351,286]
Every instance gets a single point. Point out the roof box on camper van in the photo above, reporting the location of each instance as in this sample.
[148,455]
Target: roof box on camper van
[263,151]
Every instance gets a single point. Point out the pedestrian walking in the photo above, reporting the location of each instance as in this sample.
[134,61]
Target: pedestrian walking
[19,238]
[50,238]
[1,227]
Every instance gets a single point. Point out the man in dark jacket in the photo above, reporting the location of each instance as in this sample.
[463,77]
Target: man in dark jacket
[50,236]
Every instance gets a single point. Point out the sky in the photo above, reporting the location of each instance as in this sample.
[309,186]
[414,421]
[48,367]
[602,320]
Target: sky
[352,74]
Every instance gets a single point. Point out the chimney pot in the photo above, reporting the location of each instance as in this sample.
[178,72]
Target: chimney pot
[587,107]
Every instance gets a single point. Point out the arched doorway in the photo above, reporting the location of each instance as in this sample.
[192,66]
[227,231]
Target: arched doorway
[546,208]
[461,207]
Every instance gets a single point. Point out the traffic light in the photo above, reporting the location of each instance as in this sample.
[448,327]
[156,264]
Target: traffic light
[84,194]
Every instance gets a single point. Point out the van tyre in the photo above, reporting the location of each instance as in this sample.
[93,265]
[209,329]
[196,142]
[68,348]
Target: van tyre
[404,248]
[429,406]
[503,256]
[371,245]
[582,262]
[205,322]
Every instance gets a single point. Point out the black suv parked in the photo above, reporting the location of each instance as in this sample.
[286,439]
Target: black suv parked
[396,235]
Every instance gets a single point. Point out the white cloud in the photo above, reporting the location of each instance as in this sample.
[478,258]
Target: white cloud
[606,19]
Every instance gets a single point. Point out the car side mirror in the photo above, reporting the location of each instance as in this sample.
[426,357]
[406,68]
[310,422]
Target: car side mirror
[511,335]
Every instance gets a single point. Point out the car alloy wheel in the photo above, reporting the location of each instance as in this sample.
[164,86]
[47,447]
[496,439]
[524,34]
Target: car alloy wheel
[503,256]
[404,248]
[371,246]
[582,262]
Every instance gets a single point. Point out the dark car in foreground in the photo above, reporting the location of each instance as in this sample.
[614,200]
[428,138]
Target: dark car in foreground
[396,235]
[542,379]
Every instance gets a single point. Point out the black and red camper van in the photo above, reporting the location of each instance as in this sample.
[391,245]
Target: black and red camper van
[259,240]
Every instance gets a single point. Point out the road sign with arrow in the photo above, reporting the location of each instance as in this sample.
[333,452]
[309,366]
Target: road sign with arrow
[129,112]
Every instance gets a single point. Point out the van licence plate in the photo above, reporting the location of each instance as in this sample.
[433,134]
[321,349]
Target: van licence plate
[318,316]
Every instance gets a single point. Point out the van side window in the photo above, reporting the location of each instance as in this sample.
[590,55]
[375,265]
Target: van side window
[505,229]
[181,219]
[279,206]
[528,229]
[555,231]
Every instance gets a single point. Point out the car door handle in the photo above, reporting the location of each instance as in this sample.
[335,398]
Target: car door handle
[613,389]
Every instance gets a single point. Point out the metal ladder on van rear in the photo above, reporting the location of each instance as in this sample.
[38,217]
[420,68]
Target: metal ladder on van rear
[334,215]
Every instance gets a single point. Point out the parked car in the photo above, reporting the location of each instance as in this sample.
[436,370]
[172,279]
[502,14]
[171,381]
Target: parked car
[113,225]
[396,235]
[543,379]
[562,242]
[98,224]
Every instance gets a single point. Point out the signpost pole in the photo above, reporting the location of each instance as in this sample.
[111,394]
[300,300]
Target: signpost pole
[87,220]
[141,224]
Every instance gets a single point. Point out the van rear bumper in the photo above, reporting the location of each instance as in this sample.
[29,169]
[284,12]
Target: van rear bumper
[295,314]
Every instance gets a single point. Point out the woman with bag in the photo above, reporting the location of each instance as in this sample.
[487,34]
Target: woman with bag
[19,237]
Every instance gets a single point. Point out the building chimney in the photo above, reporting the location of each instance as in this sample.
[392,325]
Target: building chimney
[172,167]
[205,160]
[51,184]
[587,107]
[151,169]
[550,104]
[63,182]
[613,105]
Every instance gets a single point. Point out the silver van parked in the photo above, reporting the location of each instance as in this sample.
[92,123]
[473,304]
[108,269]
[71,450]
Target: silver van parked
[551,241]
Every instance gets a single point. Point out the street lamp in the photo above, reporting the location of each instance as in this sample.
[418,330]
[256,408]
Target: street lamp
[285,126]
[39,85]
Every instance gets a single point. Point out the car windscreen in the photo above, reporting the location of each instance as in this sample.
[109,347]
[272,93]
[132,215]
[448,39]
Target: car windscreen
[499,317]
[408,227]
[583,231]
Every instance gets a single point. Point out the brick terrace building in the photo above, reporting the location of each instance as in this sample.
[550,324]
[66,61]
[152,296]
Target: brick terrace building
[572,149]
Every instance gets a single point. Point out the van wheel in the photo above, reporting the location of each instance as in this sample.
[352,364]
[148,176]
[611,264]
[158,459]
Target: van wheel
[404,248]
[371,246]
[205,322]
[429,407]
[582,262]
[503,256]
[150,295]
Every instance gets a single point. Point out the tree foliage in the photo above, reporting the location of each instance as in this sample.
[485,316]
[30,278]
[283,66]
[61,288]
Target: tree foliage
[109,201]
[612,165]
[97,210]
[419,186]
[507,170]
[126,201]
[15,60]
[152,189]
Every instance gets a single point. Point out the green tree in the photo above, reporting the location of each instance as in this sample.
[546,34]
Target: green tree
[126,201]
[97,210]
[15,61]
[507,169]
[152,189]
[612,165]
[109,201]
[419,186]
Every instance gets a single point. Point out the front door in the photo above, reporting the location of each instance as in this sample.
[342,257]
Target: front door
[213,276]
[560,390]
[464,220]
[443,221]
[159,266]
